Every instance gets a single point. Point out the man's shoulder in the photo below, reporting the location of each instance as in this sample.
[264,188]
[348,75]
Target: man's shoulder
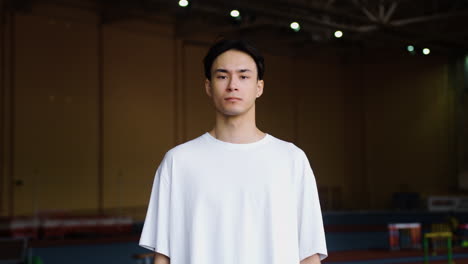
[286,145]
[187,147]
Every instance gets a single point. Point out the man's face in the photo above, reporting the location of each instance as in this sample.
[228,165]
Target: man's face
[234,84]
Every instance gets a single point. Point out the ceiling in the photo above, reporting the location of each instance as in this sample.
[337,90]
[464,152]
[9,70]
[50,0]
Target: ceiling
[438,24]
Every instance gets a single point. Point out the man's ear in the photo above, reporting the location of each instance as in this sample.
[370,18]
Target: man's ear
[208,87]
[260,85]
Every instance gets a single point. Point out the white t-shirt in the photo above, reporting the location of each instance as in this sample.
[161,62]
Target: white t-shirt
[215,202]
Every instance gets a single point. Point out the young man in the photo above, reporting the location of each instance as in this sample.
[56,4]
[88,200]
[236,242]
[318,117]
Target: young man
[234,195]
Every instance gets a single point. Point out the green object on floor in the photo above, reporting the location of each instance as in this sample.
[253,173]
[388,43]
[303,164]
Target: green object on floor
[37,260]
[447,235]
[464,243]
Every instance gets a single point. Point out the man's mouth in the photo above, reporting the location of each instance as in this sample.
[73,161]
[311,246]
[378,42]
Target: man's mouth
[232,99]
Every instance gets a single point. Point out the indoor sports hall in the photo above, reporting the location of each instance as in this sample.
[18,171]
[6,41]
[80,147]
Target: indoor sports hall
[93,93]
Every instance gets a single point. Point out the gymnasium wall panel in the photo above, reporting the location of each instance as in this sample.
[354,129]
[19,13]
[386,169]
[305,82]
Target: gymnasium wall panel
[407,127]
[276,107]
[55,115]
[198,114]
[320,117]
[138,109]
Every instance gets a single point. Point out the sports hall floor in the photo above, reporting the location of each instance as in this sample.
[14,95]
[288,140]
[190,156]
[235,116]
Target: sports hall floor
[352,238]
[381,256]
[123,253]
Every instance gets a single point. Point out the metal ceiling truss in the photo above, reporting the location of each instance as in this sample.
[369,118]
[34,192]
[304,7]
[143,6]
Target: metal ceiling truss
[437,23]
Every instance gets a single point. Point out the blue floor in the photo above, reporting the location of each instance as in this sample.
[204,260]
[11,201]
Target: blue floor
[115,253]
[399,260]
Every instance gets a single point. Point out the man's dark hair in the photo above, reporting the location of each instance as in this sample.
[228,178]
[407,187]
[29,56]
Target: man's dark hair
[233,44]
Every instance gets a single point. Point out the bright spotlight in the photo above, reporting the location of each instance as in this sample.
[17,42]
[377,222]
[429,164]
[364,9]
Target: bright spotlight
[295,26]
[426,51]
[410,48]
[338,34]
[235,13]
[183,3]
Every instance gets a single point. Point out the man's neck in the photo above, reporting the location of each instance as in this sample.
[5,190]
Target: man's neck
[238,130]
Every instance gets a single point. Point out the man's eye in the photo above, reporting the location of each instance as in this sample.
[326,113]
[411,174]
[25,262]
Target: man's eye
[244,77]
[221,77]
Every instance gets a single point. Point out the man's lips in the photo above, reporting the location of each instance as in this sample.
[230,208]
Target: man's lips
[232,99]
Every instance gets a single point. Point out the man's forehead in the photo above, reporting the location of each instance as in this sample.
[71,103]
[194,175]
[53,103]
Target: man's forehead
[234,60]
[234,56]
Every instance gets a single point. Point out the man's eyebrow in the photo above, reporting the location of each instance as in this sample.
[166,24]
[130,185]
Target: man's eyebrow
[226,71]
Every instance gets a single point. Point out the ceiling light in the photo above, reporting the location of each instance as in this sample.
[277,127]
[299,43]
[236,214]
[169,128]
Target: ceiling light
[235,13]
[338,34]
[295,26]
[426,51]
[411,49]
[183,3]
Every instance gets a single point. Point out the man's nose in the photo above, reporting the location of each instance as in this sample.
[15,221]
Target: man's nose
[233,84]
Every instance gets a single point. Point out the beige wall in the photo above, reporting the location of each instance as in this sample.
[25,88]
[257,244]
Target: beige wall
[55,121]
[370,125]
[138,110]
[409,126]
[197,113]
[320,118]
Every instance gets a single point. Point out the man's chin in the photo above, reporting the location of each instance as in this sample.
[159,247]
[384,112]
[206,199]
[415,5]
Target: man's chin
[233,111]
[230,113]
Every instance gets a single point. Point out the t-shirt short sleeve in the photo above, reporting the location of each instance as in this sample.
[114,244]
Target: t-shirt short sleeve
[311,231]
[155,234]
